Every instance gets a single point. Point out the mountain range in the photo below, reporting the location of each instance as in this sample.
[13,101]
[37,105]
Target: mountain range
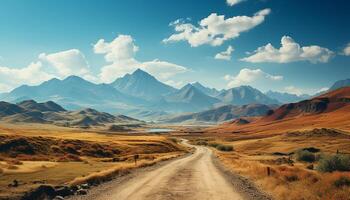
[30,111]
[140,94]
[222,113]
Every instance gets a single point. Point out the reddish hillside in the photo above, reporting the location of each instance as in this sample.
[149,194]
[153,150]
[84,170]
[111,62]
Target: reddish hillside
[331,110]
[325,103]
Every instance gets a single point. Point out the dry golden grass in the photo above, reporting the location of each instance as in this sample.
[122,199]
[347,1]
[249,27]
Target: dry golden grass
[59,155]
[287,181]
[122,168]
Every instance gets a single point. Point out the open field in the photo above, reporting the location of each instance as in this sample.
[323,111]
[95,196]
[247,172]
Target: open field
[33,156]
[289,177]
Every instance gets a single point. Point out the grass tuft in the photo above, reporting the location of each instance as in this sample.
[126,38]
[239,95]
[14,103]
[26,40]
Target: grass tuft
[331,163]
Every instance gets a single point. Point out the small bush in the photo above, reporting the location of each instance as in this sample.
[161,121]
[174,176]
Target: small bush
[306,156]
[213,144]
[174,140]
[335,162]
[221,147]
[342,181]
[203,143]
[291,178]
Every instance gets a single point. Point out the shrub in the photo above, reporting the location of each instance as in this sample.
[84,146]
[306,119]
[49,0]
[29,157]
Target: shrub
[213,144]
[342,181]
[335,162]
[204,143]
[291,178]
[221,147]
[304,155]
[174,140]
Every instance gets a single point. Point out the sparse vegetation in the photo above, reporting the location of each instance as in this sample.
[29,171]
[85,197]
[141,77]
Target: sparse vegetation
[342,181]
[53,155]
[202,143]
[305,156]
[336,162]
[222,147]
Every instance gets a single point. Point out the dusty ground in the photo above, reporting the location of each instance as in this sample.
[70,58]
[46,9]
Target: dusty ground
[34,155]
[192,177]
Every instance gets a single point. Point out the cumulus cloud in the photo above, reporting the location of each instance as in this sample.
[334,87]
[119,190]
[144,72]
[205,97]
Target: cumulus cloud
[225,55]
[253,77]
[120,54]
[215,29]
[290,51]
[66,63]
[14,77]
[293,90]
[346,50]
[48,66]
[233,2]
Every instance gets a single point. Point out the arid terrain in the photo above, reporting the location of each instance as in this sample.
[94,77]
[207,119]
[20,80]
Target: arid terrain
[50,155]
[296,151]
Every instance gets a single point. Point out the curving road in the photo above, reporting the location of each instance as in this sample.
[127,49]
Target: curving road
[191,177]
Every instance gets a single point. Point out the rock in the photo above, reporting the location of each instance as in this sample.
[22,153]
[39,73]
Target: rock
[63,191]
[13,184]
[74,188]
[58,198]
[42,192]
[311,167]
[81,192]
[85,186]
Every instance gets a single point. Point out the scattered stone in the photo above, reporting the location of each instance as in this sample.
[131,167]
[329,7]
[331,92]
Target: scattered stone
[311,167]
[42,192]
[81,192]
[63,191]
[58,198]
[85,186]
[13,184]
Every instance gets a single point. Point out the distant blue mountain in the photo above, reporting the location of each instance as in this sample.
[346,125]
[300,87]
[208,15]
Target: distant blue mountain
[187,99]
[142,85]
[206,90]
[74,92]
[284,97]
[244,95]
[340,84]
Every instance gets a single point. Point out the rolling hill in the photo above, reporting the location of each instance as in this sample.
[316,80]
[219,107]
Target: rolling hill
[330,110]
[51,113]
[222,113]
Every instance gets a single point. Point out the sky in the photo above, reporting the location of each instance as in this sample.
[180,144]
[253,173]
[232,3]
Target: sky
[285,46]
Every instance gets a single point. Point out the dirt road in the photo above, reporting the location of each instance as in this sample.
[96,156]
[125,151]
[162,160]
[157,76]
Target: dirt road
[191,177]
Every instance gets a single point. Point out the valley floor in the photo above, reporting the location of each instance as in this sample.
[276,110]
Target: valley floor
[192,177]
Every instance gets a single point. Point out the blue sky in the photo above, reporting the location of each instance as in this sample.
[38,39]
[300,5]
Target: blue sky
[44,39]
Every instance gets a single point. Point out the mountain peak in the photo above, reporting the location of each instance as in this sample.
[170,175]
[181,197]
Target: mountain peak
[139,72]
[73,78]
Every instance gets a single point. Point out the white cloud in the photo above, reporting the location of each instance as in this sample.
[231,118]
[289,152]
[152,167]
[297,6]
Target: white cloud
[346,50]
[176,84]
[66,63]
[324,89]
[253,77]
[48,66]
[14,77]
[225,55]
[120,54]
[290,51]
[293,90]
[215,29]
[233,2]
